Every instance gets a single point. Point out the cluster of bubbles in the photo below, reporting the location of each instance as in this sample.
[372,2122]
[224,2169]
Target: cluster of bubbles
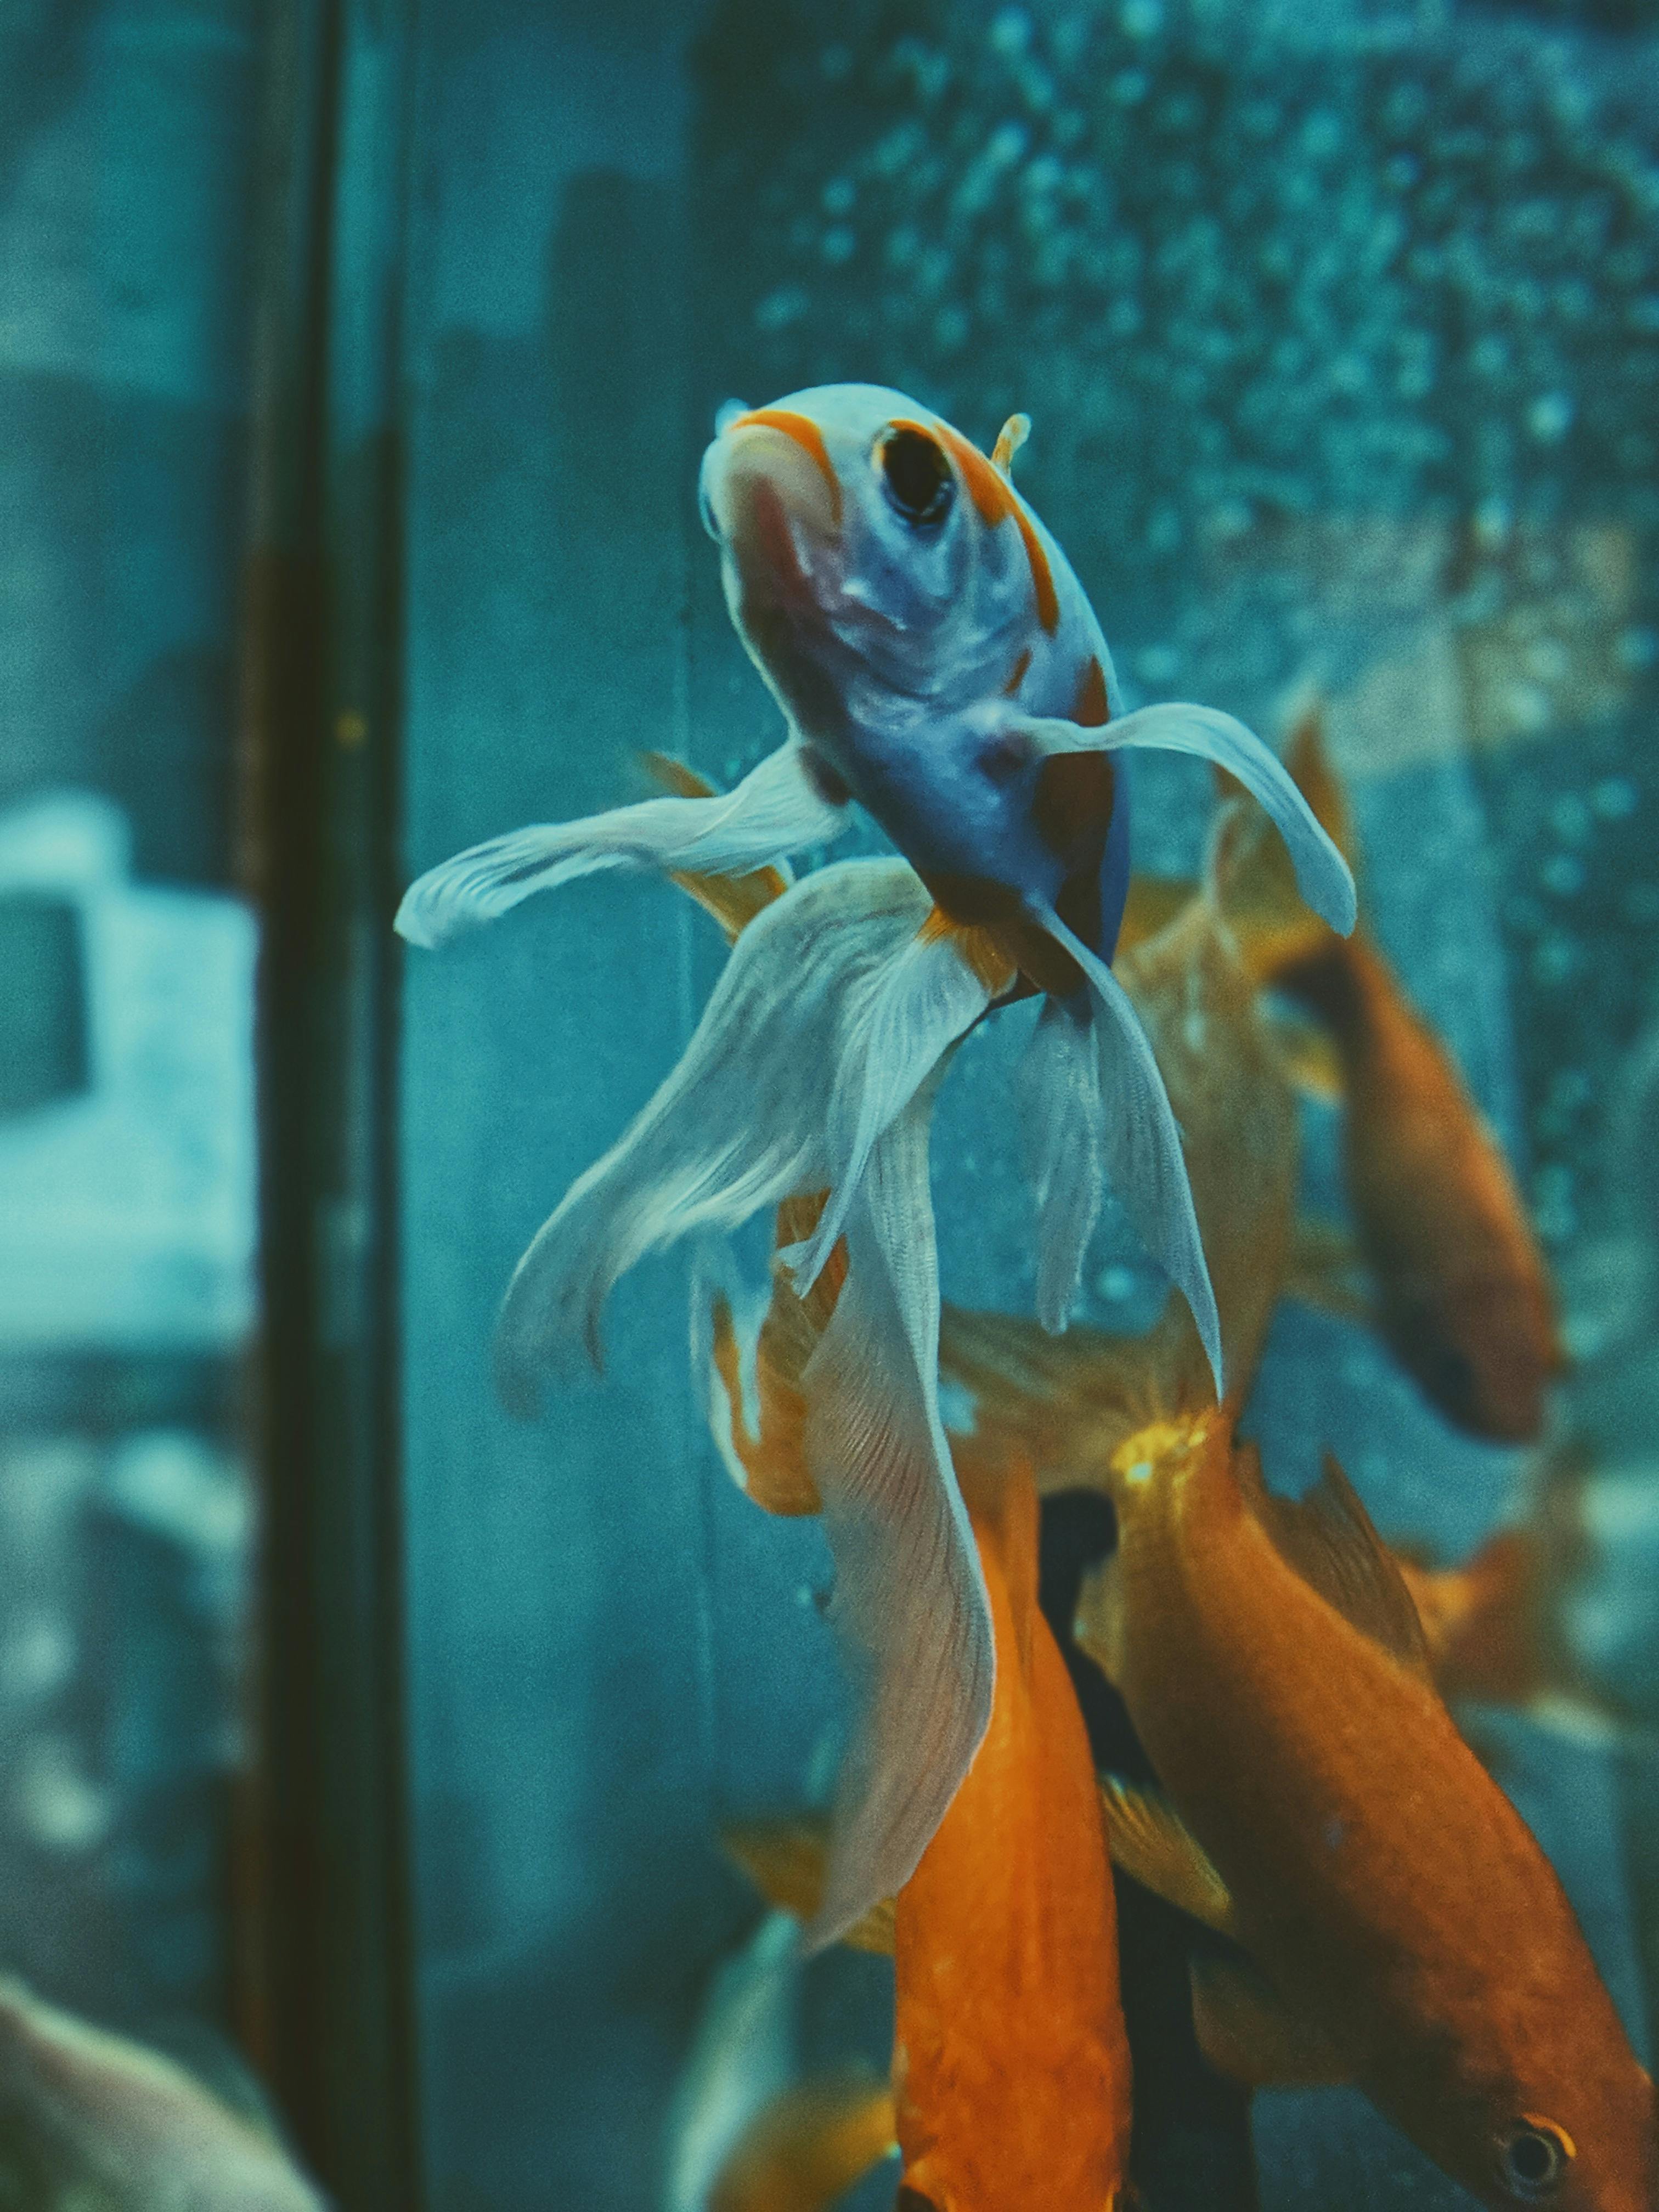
[1239,262]
[1327,319]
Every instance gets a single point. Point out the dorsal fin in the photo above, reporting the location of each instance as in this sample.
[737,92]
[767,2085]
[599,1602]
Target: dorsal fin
[1011,436]
[1327,1538]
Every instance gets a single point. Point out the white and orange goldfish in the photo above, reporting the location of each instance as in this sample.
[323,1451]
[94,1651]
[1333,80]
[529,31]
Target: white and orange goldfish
[936,660]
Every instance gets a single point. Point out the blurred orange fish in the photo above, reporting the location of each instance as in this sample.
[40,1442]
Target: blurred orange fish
[1400,1925]
[1463,1299]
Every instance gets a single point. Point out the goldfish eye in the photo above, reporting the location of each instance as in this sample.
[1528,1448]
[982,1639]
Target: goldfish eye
[1533,2158]
[918,476]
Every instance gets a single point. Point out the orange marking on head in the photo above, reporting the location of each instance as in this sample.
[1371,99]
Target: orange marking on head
[806,434]
[1091,709]
[1019,676]
[1043,579]
[992,494]
[995,498]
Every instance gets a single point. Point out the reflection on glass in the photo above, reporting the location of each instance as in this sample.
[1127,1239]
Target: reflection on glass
[127,1224]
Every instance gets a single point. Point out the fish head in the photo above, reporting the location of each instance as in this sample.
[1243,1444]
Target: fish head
[1575,2132]
[867,555]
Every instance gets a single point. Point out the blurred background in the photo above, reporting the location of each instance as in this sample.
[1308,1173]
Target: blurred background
[355,357]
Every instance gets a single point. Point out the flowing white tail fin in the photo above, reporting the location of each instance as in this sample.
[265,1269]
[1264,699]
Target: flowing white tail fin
[910,1598]
[758,1106]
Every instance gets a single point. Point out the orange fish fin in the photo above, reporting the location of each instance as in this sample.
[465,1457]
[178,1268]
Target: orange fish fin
[784,1859]
[1098,1624]
[1328,1539]
[1149,1839]
[1153,903]
[874,1933]
[1068,1402]
[1011,436]
[1484,1622]
[1246,2032]
[769,1464]
[676,777]
[1326,1273]
[808,2147]
[734,901]
[1306,1053]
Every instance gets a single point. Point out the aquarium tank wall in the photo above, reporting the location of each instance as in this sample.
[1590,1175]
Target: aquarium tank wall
[408,1723]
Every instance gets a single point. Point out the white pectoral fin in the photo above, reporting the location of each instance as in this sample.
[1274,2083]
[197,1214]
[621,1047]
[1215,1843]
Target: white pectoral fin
[1062,1115]
[1322,875]
[1141,1139]
[776,809]
[909,1601]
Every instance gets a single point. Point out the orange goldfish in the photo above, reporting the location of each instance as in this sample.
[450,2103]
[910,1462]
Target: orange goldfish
[1011,2065]
[1400,1926]
[1463,1299]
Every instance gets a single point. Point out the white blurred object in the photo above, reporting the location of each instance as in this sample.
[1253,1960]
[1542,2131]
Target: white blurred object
[743,2056]
[127,1213]
[91,2120]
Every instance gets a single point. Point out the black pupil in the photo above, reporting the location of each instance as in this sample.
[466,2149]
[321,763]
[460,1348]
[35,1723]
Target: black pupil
[1533,2158]
[918,475]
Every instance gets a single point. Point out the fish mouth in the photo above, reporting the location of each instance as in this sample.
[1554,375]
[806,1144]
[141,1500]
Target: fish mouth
[771,499]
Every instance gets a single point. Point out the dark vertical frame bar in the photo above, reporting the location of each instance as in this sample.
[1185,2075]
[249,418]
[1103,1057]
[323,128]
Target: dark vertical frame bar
[328,1989]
